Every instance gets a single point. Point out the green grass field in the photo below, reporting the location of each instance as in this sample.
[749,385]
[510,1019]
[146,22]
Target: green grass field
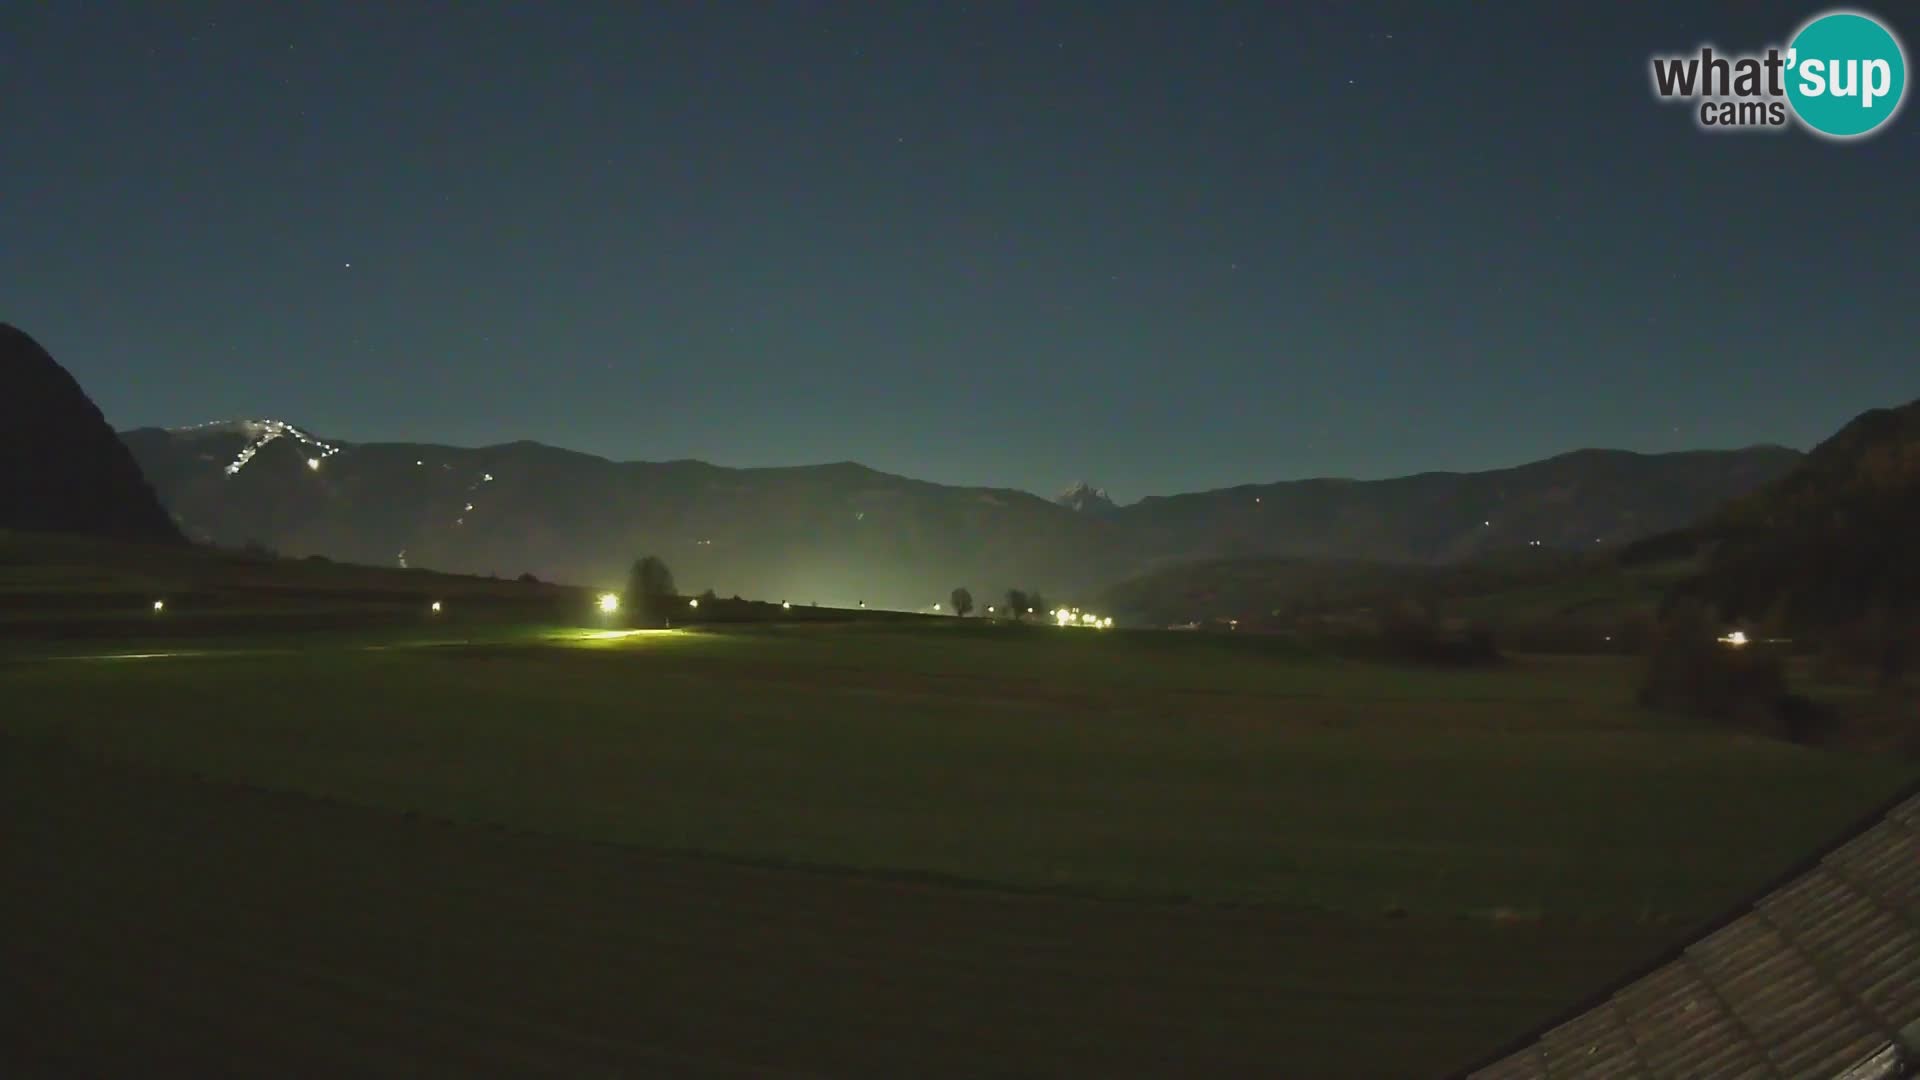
[1475,848]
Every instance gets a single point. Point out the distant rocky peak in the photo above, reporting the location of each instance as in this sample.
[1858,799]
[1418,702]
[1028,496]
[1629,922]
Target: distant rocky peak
[1085,498]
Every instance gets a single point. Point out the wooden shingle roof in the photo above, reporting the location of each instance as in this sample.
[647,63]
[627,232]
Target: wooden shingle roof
[1820,977]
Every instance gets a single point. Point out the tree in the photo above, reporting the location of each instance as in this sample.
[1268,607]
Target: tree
[962,602]
[1017,604]
[1693,671]
[649,586]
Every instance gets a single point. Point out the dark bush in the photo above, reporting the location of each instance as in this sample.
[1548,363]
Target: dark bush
[528,579]
[1692,672]
[1412,631]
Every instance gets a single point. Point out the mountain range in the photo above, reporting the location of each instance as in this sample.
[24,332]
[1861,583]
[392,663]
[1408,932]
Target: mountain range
[1831,543]
[844,533]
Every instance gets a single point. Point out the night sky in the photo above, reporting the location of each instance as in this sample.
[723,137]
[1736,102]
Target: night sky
[1159,246]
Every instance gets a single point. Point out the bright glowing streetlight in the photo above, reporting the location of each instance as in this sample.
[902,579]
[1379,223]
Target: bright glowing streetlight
[435,608]
[694,603]
[159,605]
[785,606]
[313,463]
[1736,639]
[609,603]
[936,607]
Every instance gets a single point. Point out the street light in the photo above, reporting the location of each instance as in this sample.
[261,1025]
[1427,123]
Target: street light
[159,605]
[694,603]
[609,603]
[435,608]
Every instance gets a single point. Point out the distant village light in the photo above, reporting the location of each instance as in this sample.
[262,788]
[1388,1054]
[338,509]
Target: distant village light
[436,606]
[313,463]
[609,602]
[695,602]
[159,605]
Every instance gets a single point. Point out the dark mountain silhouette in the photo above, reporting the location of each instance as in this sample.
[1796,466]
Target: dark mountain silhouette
[1574,501]
[843,533]
[1830,543]
[62,468]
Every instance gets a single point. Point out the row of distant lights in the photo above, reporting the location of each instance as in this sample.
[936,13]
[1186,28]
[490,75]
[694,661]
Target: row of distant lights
[1069,617]
[609,603]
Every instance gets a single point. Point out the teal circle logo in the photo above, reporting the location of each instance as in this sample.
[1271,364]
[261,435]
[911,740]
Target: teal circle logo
[1846,74]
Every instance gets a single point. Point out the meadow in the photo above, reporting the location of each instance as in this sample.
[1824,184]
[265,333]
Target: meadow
[1369,869]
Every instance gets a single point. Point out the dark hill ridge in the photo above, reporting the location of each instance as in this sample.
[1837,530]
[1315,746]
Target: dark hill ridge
[62,468]
[1831,542]
[843,533]
[1573,501]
